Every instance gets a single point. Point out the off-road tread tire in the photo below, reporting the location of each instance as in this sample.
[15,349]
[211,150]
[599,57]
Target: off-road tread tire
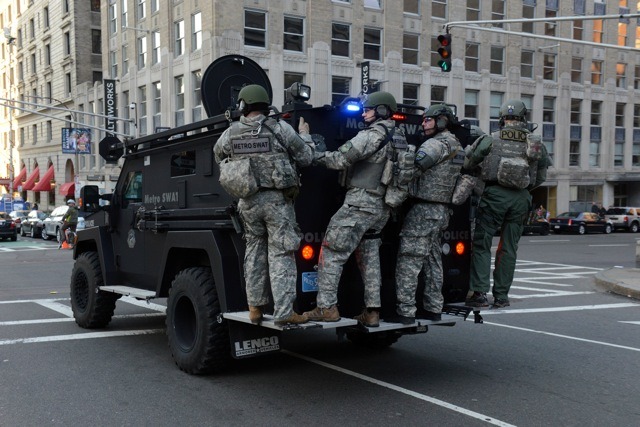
[91,308]
[209,349]
[374,341]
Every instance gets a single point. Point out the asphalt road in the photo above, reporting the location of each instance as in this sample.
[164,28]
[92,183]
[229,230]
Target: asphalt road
[564,353]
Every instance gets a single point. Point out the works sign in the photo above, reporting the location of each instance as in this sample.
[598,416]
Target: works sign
[110,106]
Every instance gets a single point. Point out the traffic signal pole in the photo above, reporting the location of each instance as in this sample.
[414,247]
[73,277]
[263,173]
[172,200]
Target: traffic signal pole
[475,25]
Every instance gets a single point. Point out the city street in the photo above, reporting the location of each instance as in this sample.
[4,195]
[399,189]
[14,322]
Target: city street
[564,353]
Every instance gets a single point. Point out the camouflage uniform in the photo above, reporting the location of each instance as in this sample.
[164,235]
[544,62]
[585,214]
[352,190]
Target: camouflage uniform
[420,246]
[270,230]
[357,225]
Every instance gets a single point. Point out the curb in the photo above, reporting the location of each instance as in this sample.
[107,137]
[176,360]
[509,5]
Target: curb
[625,282]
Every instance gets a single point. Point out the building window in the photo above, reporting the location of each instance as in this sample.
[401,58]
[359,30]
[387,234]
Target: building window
[49,131]
[596,112]
[113,64]
[125,60]
[196,82]
[178,28]
[196,31]
[550,27]
[497,12]
[96,42]
[439,9]
[597,31]
[548,109]
[410,93]
[576,69]
[141,10]
[179,107]
[635,154]
[527,100]
[526,67]
[438,94]
[636,77]
[142,52]
[255,28]
[293,34]
[372,43]
[622,34]
[156,90]
[495,102]
[142,110]
[618,155]
[636,116]
[96,76]
[471,104]
[473,10]
[497,60]
[155,5]
[113,19]
[574,153]
[471,57]
[412,6]
[340,37]
[434,51]
[47,54]
[621,75]
[410,49]
[340,89]
[620,107]
[549,67]
[45,17]
[155,47]
[576,111]
[578,29]
[528,12]
[124,13]
[594,153]
[67,84]
[67,43]
[596,73]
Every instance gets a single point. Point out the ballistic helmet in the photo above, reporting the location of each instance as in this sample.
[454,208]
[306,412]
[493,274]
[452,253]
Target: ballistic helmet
[437,110]
[384,99]
[71,202]
[253,94]
[513,109]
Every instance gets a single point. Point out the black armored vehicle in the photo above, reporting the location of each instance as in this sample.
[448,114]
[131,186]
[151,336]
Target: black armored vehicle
[171,231]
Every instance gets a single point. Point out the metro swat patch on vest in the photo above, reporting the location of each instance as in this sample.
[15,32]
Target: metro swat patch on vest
[513,135]
[250,145]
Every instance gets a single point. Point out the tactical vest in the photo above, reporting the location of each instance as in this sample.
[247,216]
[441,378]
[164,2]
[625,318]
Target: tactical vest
[270,163]
[437,183]
[507,163]
[367,174]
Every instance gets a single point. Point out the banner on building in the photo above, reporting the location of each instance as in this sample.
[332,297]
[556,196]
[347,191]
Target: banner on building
[76,140]
[110,106]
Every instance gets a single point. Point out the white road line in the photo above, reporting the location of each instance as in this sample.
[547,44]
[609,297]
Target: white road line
[22,301]
[623,347]
[558,309]
[487,419]
[556,294]
[88,335]
[604,246]
[632,323]
[67,319]
[549,269]
[57,307]
[540,282]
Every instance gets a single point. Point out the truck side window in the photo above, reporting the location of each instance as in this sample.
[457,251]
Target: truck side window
[132,189]
[183,163]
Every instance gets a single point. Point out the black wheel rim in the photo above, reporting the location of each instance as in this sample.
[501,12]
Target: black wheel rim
[184,324]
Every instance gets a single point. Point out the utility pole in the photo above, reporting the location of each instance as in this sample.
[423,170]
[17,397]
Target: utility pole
[10,41]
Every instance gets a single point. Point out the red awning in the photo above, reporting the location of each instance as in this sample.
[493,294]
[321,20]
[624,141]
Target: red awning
[31,181]
[45,183]
[68,188]
[18,179]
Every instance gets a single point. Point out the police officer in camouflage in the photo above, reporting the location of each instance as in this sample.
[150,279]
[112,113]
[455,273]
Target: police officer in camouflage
[357,225]
[271,150]
[438,161]
[512,162]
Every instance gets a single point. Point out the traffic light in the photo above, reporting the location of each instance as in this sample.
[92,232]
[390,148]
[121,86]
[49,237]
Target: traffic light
[445,52]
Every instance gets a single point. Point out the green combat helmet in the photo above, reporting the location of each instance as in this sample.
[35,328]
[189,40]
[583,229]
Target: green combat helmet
[437,110]
[513,109]
[253,94]
[384,99]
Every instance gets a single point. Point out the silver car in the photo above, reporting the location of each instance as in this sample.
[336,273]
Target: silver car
[624,218]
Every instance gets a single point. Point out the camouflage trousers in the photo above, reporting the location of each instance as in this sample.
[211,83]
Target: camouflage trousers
[421,250]
[346,234]
[272,236]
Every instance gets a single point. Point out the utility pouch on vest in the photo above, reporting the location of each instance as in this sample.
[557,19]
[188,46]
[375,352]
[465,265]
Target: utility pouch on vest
[387,172]
[534,147]
[284,175]
[513,172]
[237,178]
[463,189]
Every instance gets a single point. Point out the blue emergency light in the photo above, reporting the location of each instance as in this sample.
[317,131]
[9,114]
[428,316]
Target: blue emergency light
[351,105]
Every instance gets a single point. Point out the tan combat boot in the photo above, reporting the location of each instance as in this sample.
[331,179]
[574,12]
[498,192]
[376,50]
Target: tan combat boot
[255,314]
[370,318]
[295,319]
[320,314]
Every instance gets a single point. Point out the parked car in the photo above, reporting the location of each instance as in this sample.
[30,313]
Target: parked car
[8,228]
[624,218]
[18,216]
[32,226]
[52,224]
[580,222]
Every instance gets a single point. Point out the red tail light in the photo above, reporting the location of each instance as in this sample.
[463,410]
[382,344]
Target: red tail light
[570,221]
[460,248]
[626,219]
[307,252]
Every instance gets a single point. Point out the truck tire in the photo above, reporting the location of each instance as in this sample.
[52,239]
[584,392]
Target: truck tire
[199,343]
[375,341]
[91,308]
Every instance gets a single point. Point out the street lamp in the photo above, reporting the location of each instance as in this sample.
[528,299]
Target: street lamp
[10,41]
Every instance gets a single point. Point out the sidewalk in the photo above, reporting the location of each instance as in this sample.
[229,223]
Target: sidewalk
[621,281]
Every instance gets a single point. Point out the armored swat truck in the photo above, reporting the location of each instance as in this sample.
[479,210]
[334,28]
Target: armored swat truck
[170,231]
